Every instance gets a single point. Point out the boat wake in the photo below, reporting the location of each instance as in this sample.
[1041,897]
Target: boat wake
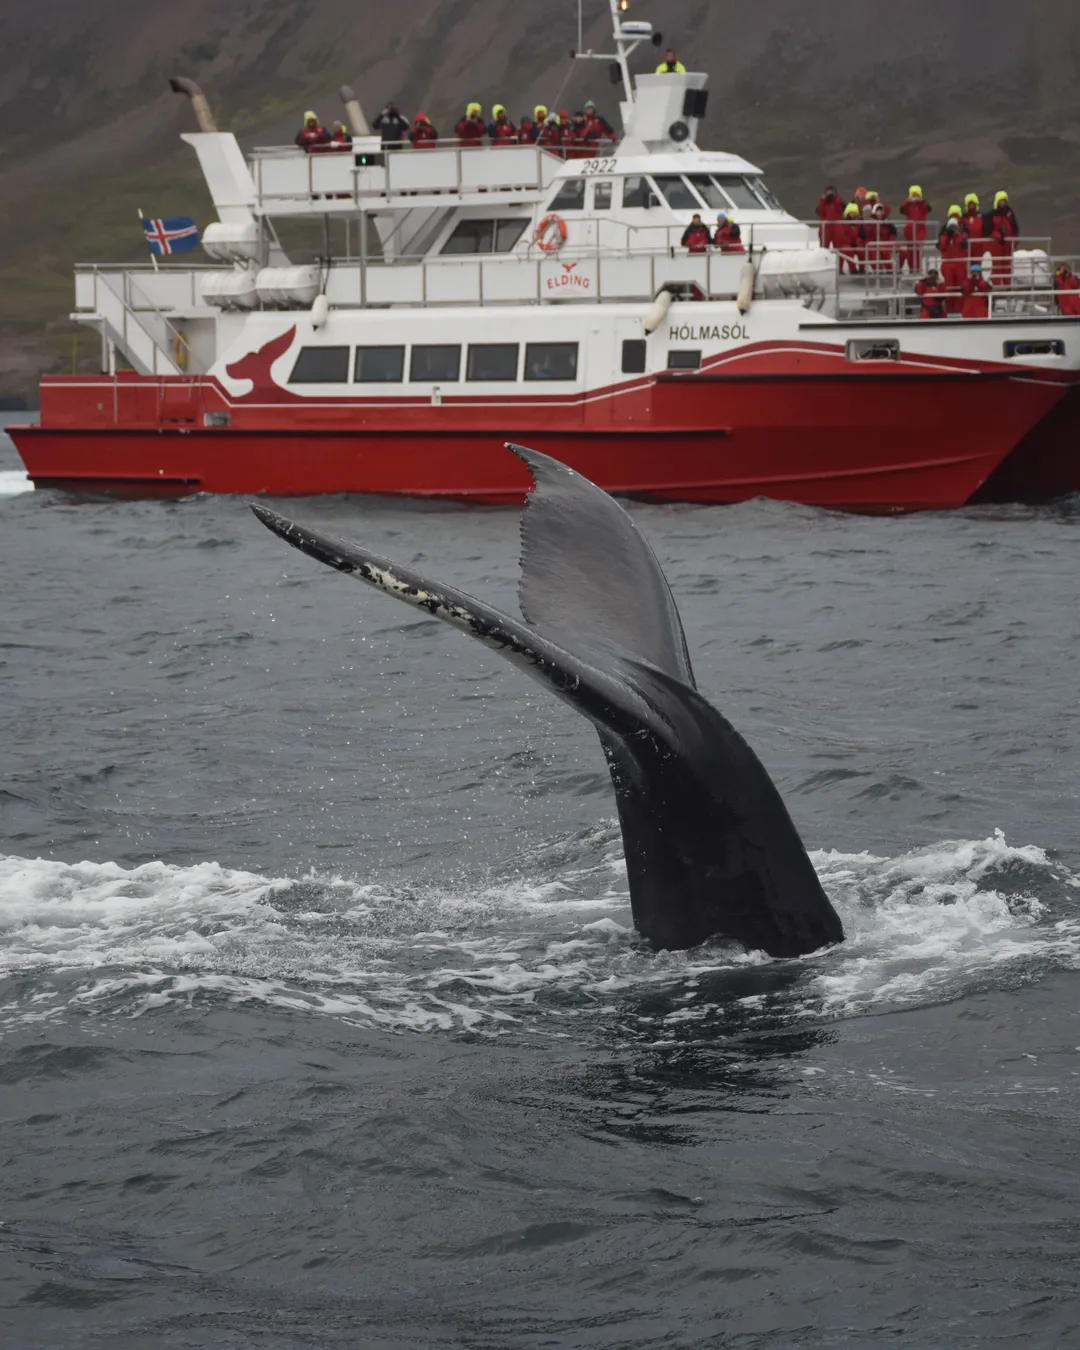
[553,954]
[14,481]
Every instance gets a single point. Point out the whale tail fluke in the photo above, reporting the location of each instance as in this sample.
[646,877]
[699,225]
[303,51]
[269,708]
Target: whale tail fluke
[710,847]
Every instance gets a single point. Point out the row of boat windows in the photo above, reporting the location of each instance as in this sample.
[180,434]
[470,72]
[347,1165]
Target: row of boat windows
[436,363]
[682,192]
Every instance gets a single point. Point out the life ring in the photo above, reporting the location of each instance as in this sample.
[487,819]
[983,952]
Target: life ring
[551,245]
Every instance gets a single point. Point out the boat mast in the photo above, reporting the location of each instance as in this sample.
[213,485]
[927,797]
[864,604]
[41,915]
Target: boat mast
[627,37]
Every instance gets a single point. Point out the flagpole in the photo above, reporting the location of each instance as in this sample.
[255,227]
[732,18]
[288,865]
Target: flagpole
[153,255]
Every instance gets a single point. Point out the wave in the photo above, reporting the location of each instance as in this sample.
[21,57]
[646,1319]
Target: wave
[14,481]
[549,954]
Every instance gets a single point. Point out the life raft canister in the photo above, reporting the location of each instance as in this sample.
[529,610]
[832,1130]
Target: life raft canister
[549,242]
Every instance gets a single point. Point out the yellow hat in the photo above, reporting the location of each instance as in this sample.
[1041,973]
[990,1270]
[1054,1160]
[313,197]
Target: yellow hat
[871,195]
[914,191]
[851,211]
[471,108]
[497,109]
[970,199]
[539,112]
[1000,197]
[310,117]
[954,211]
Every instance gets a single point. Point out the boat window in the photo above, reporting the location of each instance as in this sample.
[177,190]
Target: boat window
[739,191]
[435,363]
[769,198]
[602,196]
[471,236]
[633,356]
[507,233]
[873,349]
[718,200]
[1035,347]
[570,197]
[492,361]
[551,361]
[684,360]
[379,365]
[321,365]
[679,197]
[637,191]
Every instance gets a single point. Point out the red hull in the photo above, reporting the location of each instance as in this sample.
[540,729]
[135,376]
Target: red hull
[1046,462]
[905,438]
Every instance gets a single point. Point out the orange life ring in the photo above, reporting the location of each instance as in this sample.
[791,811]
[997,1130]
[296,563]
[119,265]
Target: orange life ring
[551,245]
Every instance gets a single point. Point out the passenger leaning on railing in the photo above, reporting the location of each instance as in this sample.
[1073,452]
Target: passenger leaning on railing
[312,133]
[847,238]
[576,138]
[340,137]
[976,291]
[422,134]
[696,237]
[500,130]
[529,126]
[727,237]
[550,134]
[952,245]
[597,128]
[1067,291]
[931,291]
[392,127]
[470,128]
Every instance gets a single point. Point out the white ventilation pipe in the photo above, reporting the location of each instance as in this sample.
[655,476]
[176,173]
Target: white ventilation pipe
[657,312]
[199,106]
[356,113]
[744,297]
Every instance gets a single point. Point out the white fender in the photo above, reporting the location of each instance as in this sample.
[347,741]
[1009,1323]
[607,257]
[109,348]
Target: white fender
[657,312]
[320,311]
[744,297]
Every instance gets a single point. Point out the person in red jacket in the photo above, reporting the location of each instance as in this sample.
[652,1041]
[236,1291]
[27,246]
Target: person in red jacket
[1067,291]
[576,139]
[695,238]
[886,238]
[550,134]
[470,129]
[973,219]
[501,131]
[597,128]
[830,209]
[916,208]
[422,134]
[529,128]
[312,133]
[1001,230]
[847,238]
[931,291]
[976,291]
[952,246]
[727,236]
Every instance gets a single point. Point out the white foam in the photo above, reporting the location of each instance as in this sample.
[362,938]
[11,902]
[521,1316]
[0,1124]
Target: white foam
[14,481]
[534,954]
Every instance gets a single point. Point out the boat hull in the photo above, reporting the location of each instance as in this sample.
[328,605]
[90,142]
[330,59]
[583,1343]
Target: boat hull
[1045,463]
[862,443]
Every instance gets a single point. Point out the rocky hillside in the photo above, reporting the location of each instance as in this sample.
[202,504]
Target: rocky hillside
[976,95]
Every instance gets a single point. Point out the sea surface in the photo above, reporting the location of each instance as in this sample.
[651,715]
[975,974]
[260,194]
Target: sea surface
[322,1020]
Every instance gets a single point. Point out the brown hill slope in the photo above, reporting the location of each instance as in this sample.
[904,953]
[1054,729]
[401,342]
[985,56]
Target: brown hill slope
[979,94]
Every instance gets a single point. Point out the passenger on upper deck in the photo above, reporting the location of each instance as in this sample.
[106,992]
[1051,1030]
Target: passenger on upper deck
[728,236]
[576,138]
[847,237]
[500,130]
[1067,290]
[597,128]
[392,126]
[422,134]
[528,127]
[1001,230]
[340,137]
[470,129]
[695,238]
[972,221]
[670,65]
[311,133]
[550,134]
[830,208]
[884,238]
[859,198]
[916,208]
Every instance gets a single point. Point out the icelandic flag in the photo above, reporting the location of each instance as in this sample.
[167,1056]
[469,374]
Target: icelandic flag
[172,234]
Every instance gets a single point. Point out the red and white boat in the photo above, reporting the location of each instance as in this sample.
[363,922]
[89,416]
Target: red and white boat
[469,296]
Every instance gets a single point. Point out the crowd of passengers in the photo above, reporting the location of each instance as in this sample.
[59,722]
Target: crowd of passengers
[578,135]
[975,249]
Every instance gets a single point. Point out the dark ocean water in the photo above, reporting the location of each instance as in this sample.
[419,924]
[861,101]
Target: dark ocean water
[321,1018]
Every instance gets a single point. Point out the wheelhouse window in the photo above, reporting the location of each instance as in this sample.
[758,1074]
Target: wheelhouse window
[633,356]
[379,365]
[551,361]
[711,194]
[492,361]
[602,196]
[676,191]
[767,196]
[321,365]
[637,191]
[437,363]
[684,360]
[738,190]
[570,197]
